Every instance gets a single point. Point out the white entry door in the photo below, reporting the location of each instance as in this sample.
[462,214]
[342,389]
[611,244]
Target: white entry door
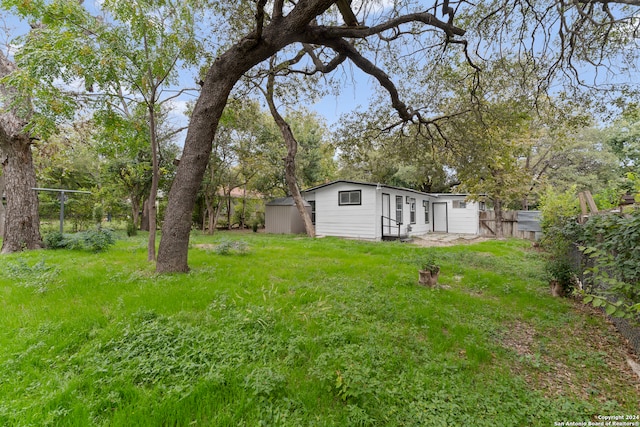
[386,214]
[440,221]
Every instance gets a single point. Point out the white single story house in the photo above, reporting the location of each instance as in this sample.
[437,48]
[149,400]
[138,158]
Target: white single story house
[375,211]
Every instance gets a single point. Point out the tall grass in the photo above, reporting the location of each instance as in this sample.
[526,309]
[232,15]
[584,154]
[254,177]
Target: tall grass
[284,330]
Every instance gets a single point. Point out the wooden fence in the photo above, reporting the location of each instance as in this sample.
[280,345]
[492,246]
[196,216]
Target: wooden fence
[521,224]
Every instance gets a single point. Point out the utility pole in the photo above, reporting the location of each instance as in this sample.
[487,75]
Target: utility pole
[63,198]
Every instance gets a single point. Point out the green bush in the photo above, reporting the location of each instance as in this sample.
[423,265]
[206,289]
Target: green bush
[96,240]
[562,271]
[54,240]
[612,244]
[228,247]
[132,229]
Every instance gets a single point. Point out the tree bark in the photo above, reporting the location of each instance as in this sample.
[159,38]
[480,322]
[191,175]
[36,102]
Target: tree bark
[2,210]
[135,211]
[22,222]
[155,179]
[497,207]
[144,220]
[223,74]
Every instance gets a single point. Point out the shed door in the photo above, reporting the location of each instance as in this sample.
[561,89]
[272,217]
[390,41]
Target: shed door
[386,212]
[440,217]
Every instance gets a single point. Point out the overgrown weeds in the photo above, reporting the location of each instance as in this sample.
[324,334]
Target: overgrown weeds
[298,332]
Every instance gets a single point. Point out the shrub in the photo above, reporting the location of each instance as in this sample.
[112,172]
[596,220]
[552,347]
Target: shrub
[228,247]
[98,240]
[54,240]
[132,230]
[563,272]
[93,240]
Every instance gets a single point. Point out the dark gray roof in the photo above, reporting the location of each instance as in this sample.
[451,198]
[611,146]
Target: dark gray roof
[370,184]
[285,201]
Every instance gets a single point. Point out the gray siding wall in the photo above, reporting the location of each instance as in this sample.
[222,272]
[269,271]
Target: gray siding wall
[283,220]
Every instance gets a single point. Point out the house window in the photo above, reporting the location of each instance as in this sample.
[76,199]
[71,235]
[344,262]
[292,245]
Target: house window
[399,209]
[313,211]
[425,203]
[349,197]
[459,204]
[412,211]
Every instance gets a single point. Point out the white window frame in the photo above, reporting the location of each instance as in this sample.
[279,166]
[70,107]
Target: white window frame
[399,212]
[425,203]
[350,200]
[412,210]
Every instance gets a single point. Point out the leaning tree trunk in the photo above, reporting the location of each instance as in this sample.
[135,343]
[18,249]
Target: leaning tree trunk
[2,211]
[290,159]
[223,74]
[22,222]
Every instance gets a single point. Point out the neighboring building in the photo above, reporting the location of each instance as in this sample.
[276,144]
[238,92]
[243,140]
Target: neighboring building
[281,217]
[452,213]
[374,211]
[237,201]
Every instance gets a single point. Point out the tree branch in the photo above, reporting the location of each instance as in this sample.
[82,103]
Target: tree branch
[321,67]
[362,32]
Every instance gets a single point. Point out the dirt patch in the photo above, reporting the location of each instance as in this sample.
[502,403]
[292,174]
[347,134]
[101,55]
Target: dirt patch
[447,239]
[579,358]
[520,338]
[205,246]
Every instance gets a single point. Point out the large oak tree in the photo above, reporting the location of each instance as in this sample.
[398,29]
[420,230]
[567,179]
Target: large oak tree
[301,23]
[21,221]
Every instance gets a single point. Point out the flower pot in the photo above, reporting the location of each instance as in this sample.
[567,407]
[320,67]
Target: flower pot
[427,278]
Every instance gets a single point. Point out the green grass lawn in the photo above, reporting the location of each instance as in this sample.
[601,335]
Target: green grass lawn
[300,332]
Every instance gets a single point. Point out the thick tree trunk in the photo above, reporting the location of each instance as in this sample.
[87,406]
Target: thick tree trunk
[497,207]
[174,244]
[2,210]
[223,74]
[22,222]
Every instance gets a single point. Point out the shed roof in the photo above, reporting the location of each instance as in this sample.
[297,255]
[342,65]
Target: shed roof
[368,184]
[285,201]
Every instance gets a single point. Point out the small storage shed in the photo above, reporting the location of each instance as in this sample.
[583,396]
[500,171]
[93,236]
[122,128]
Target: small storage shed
[281,216]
